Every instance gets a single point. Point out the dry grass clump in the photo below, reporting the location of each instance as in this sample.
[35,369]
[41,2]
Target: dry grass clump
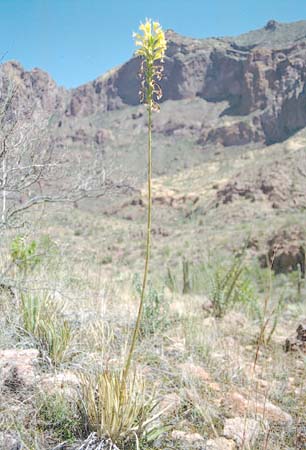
[112,412]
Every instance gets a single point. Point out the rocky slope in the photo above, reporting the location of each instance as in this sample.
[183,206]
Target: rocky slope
[254,84]
[261,75]
[30,90]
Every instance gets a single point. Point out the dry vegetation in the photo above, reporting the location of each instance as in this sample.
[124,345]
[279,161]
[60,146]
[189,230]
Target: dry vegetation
[199,368]
[213,333]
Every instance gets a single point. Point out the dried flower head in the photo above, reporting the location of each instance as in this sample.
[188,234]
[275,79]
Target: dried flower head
[152,46]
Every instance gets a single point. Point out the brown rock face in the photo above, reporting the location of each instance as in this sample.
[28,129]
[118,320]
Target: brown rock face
[297,342]
[257,80]
[265,78]
[34,91]
[240,133]
[274,184]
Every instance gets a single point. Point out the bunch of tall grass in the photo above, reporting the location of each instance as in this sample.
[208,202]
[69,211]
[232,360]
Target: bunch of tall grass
[41,320]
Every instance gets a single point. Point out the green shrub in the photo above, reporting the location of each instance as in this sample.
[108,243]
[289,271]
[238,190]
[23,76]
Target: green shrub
[24,254]
[186,277]
[228,285]
[27,255]
[36,308]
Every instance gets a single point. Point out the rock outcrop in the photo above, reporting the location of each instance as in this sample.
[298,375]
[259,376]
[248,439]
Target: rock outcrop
[258,79]
[265,79]
[297,342]
[285,252]
[33,91]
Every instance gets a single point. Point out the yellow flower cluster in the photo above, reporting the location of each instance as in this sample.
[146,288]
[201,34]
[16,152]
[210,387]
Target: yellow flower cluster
[152,43]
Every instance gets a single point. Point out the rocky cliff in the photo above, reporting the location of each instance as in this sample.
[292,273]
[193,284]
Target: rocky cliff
[257,80]
[261,76]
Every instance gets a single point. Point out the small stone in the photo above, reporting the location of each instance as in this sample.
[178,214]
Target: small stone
[257,408]
[62,381]
[189,440]
[177,347]
[170,403]
[8,442]
[220,443]
[207,304]
[241,430]
[198,372]
[103,135]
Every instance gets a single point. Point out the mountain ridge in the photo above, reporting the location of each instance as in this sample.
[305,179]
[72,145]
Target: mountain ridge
[257,79]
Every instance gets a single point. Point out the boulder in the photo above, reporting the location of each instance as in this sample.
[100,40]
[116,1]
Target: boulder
[190,441]
[285,252]
[170,403]
[60,382]
[17,368]
[103,135]
[200,374]
[9,442]
[259,408]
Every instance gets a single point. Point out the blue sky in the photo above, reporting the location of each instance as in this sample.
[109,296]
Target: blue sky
[78,40]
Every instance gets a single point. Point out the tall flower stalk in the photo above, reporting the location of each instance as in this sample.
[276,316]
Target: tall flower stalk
[152,46]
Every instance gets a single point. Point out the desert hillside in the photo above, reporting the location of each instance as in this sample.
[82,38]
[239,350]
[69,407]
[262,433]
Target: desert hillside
[223,337]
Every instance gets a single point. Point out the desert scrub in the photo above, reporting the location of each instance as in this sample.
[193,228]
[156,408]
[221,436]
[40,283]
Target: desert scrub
[155,311]
[227,286]
[225,283]
[182,282]
[268,311]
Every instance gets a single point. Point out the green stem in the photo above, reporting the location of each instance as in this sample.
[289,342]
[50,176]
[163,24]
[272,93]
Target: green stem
[147,257]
